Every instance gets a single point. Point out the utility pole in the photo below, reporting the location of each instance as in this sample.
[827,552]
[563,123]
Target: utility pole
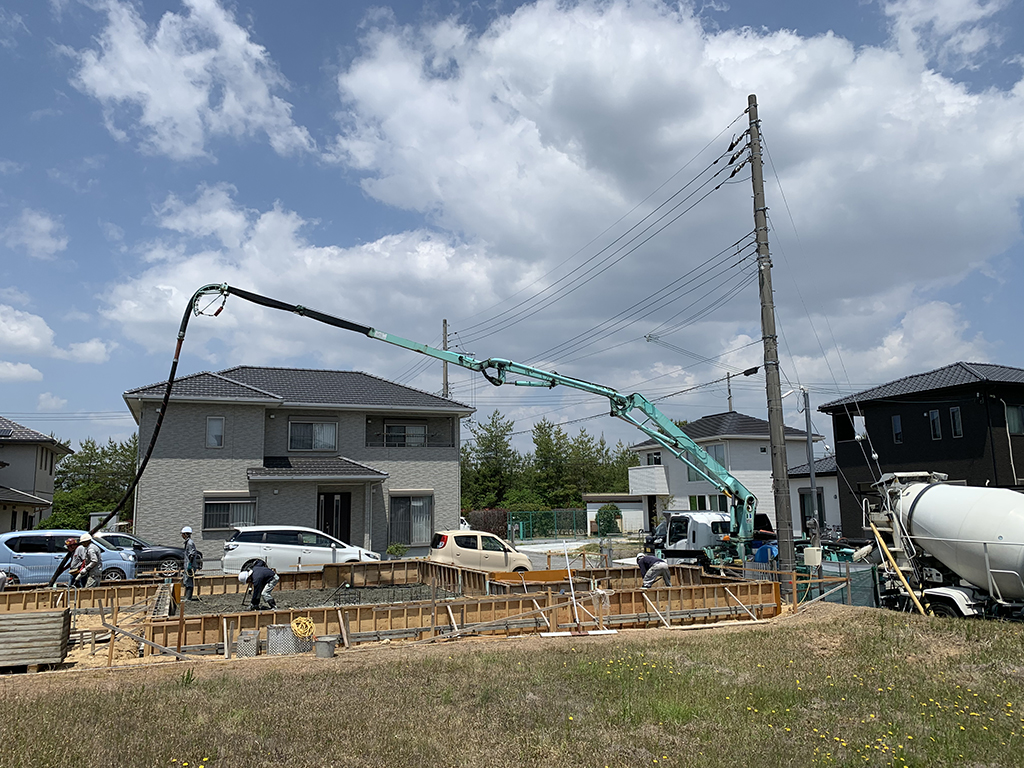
[728,387]
[444,366]
[776,426]
[818,515]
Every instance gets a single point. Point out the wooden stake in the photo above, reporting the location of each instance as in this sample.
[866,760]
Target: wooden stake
[110,648]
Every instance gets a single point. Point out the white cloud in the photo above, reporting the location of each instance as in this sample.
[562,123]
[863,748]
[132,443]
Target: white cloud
[954,32]
[50,402]
[28,334]
[15,296]
[214,213]
[194,77]
[9,167]
[11,27]
[36,233]
[18,372]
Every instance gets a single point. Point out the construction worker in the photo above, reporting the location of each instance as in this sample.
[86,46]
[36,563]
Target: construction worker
[653,568]
[191,564]
[77,550]
[3,581]
[263,580]
[91,572]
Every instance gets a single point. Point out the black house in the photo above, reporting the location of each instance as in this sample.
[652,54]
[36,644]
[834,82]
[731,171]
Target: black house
[965,419]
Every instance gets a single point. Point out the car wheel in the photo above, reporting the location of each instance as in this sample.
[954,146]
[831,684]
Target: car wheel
[169,565]
[12,579]
[114,574]
[248,566]
[945,610]
[520,569]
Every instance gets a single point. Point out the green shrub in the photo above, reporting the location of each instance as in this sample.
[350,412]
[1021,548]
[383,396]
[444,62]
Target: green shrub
[397,549]
[608,518]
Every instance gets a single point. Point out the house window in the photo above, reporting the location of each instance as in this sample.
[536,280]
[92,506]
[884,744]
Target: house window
[807,511]
[956,425]
[405,435]
[716,451]
[1014,420]
[897,429]
[312,435]
[936,425]
[214,431]
[412,520]
[654,459]
[228,513]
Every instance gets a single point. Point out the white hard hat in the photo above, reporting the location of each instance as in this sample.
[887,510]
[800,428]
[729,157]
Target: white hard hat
[85,537]
[639,555]
[187,529]
[243,576]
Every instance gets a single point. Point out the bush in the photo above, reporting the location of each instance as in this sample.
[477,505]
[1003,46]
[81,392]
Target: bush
[397,549]
[608,518]
[491,520]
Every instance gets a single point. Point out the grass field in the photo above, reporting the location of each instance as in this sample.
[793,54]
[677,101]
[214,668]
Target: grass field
[832,686]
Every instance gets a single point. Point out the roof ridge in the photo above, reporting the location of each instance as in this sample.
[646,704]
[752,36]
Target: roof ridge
[219,375]
[164,382]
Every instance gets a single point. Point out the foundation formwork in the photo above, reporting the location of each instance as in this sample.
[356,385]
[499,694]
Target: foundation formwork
[490,604]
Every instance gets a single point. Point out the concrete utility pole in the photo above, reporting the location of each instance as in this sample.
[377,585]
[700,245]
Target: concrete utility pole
[776,426]
[728,387]
[818,515]
[444,366]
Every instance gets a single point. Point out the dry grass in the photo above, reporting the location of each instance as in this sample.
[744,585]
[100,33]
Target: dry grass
[833,686]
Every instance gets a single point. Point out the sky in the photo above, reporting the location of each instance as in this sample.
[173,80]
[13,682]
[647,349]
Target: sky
[551,178]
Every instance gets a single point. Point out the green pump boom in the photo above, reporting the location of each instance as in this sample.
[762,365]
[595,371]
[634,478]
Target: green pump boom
[496,370]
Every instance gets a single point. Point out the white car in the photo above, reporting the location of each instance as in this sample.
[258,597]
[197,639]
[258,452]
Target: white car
[288,549]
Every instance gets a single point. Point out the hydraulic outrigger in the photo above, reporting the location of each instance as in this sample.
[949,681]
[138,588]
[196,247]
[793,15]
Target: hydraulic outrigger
[496,370]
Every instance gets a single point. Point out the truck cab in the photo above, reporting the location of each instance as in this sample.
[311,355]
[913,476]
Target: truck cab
[683,536]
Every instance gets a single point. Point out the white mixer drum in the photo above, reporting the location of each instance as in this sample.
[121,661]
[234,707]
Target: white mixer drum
[952,522]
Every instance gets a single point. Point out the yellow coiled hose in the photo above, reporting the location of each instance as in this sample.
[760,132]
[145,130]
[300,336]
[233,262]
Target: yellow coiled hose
[303,627]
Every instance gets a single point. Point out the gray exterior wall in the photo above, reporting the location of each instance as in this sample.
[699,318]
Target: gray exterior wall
[24,473]
[170,494]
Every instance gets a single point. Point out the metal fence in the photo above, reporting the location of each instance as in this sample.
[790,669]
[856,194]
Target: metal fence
[549,523]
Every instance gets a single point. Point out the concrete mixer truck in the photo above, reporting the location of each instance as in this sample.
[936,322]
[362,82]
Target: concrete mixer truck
[950,549]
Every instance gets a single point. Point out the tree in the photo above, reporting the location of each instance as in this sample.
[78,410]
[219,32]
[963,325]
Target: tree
[92,480]
[492,462]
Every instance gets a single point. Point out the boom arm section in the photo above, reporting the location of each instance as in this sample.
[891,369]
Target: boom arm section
[634,409]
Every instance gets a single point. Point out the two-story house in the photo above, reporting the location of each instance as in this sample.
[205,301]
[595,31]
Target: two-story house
[964,419]
[27,461]
[364,459]
[738,442]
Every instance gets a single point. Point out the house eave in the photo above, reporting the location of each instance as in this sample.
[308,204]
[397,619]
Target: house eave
[378,478]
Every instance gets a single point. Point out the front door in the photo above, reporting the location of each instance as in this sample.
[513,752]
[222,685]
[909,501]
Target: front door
[334,515]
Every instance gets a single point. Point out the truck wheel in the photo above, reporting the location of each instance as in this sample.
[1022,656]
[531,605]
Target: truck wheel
[945,610]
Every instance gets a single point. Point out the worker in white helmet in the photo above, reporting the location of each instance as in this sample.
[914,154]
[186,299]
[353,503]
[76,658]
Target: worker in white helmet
[91,572]
[652,569]
[263,580]
[191,564]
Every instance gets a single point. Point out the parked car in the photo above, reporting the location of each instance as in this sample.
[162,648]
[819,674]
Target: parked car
[30,557]
[148,556]
[476,549]
[288,548]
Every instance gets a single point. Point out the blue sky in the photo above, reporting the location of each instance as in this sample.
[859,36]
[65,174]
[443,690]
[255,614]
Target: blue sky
[402,163]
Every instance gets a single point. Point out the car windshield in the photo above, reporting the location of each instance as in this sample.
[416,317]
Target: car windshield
[143,542]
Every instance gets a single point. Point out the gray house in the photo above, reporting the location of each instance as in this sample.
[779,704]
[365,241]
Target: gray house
[356,456]
[27,461]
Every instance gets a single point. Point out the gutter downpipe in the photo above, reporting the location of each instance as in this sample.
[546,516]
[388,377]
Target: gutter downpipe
[1009,441]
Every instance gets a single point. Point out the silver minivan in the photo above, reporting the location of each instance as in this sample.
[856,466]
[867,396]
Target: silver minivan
[288,549]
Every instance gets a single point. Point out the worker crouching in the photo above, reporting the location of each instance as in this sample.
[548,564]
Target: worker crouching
[653,568]
[263,581]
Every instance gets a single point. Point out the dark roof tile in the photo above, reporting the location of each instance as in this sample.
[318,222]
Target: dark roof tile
[728,424]
[955,375]
[315,466]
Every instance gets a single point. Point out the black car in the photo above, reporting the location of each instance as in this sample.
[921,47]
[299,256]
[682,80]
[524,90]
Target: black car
[148,556]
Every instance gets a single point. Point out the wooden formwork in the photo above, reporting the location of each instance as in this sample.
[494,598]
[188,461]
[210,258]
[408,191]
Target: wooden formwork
[34,638]
[495,614]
